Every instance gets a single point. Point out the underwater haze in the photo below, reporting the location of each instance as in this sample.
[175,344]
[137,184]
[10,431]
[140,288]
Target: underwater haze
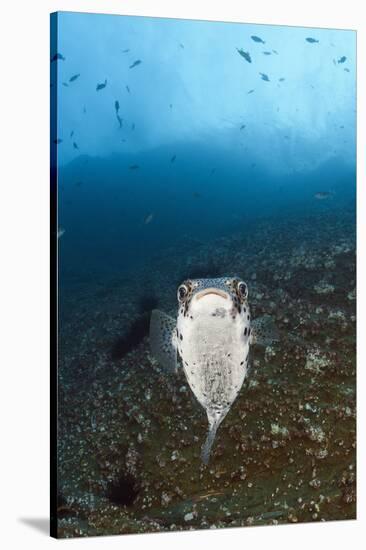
[199,141]
[192,149]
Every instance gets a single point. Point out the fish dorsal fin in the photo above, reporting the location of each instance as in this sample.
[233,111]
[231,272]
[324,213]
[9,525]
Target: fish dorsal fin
[163,340]
[264,331]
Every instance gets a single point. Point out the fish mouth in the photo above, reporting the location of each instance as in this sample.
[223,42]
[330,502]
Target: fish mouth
[207,291]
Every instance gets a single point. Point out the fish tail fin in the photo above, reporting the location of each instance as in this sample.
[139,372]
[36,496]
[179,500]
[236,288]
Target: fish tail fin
[214,423]
[206,448]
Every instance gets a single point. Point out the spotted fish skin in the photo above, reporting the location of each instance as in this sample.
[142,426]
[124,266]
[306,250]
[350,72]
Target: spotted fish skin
[213,338]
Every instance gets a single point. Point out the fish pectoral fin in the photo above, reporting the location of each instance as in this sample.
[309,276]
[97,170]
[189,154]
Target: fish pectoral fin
[163,340]
[264,331]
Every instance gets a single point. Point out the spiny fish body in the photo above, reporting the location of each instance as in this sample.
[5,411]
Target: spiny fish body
[211,336]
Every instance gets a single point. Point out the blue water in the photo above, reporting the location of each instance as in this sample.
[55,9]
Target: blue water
[202,167]
[239,157]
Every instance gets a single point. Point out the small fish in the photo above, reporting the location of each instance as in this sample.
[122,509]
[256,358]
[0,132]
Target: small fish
[74,77]
[75,145]
[71,133]
[57,141]
[250,91]
[213,170]
[133,126]
[257,39]
[264,77]
[128,89]
[242,126]
[347,70]
[281,80]
[244,54]
[101,86]
[321,195]
[182,46]
[173,158]
[116,106]
[65,84]
[135,63]
[60,232]
[209,494]
[342,59]
[125,51]
[78,184]
[57,57]
[267,53]
[196,195]
[211,335]
[134,167]
[312,40]
[149,218]
[170,105]
[84,110]
[275,52]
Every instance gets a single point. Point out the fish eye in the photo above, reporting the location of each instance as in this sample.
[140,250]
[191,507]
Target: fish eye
[182,292]
[242,289]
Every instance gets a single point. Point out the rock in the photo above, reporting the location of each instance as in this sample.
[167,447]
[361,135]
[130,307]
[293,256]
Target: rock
[324,288]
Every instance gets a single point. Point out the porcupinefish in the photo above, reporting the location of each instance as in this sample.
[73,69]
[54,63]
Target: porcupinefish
[211,336]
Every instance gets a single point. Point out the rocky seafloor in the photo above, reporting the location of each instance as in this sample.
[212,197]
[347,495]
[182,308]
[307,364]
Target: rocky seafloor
[130,435]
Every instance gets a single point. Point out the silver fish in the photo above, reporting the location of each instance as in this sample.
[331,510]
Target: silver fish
[211,336]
